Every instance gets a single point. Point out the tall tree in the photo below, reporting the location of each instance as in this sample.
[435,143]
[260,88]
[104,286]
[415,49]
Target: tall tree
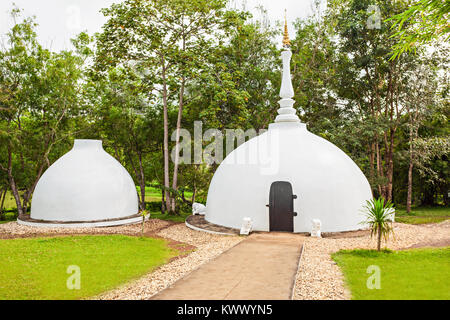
[127,120]
[170,38]
[39,93]
[371,83]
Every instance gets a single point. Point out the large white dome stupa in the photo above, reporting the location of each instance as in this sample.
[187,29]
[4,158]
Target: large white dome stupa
[85,187]
[286,177]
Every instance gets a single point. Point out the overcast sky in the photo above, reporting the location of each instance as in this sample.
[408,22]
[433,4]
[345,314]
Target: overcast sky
[61,20]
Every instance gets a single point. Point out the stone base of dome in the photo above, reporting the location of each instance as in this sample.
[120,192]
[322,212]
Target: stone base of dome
[134,219]
[198,223]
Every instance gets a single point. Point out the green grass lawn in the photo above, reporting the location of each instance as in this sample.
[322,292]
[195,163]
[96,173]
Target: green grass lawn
[154,194]
[421,215]
[177,218]
[410,274]
[36,268]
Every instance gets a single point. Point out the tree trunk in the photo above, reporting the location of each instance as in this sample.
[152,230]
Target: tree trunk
[163,207]
[2,202]
[142,182]
[379,239]
[410,180]
[166,139]
[193,195]
[390,171]
[177,141]
[445,197]
[12,182]
[410,170]
[413,133]
[16,196]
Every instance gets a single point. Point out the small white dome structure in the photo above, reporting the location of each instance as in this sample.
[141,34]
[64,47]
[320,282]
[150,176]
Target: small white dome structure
[286,177]
[85,187]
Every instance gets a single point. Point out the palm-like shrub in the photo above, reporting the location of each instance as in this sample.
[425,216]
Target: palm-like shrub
[379,216]
[144,214]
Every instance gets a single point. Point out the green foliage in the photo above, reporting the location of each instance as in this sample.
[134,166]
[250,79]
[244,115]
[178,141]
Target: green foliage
[239,86]
[424,21]
[419,274]
[39,102]
[378,214]
[175,218]
[157,64]
[105,262]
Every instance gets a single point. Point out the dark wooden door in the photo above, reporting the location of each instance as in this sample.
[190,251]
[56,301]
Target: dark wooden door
[281,207]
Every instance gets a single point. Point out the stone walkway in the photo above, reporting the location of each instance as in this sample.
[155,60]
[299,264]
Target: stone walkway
[262,267]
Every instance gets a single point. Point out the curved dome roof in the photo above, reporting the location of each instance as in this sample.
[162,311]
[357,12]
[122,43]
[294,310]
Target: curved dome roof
[329,185]
[86,184]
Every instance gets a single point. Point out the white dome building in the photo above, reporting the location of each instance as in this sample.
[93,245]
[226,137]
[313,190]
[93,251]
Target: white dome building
[85,187]
[286,177]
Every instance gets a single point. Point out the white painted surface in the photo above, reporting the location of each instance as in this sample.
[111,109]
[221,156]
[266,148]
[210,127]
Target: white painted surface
[246,227]
[315,230]
[198,209]
[329,185]
[134,220]
[391,214]
[86,184]
[286,112]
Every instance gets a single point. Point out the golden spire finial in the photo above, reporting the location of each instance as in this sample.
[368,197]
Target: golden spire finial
[286,41]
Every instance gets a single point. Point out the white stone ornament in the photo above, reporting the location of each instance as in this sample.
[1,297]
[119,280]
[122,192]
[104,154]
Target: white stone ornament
[246,227]
[198,209]
[315,231]
[85,187]
[329,185]
[391,214]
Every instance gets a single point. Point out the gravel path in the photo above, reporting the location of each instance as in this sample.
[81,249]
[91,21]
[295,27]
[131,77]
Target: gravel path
[15,230]
[319,278]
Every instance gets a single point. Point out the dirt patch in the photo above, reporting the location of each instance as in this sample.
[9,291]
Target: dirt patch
[346,234]
[430,244]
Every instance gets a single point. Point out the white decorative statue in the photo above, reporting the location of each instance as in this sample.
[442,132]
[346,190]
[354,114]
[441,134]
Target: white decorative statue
[391,214]
[246,226]
[198,209]
[315,232]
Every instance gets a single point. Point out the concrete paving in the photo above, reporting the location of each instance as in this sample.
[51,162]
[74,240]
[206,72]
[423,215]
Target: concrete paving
[262,267]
